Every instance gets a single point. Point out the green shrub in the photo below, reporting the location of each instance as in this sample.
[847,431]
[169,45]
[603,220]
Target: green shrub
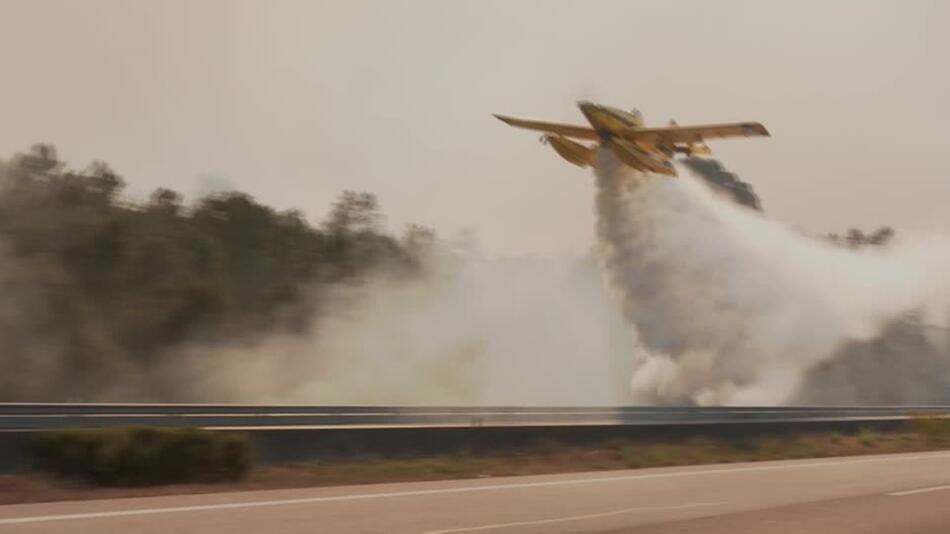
[932,428]
[660,455]
[744,446]
[142,456]
[867,437]
[633,457]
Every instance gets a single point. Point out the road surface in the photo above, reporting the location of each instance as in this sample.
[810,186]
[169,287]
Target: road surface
[869,494]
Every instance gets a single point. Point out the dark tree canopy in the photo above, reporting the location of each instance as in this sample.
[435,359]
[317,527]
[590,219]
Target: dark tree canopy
[109,286]
[722,180]
[855,238]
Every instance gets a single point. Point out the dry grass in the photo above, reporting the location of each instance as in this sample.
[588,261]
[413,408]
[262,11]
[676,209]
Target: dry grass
[548,457]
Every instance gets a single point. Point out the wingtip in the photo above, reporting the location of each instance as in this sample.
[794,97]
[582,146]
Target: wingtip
[756,128]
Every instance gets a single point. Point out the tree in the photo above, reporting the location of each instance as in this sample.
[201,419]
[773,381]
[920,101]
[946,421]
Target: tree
[105,289]
[418,238]
[855,238]
[354,213]
[103,180]
[165,201]
[40,159]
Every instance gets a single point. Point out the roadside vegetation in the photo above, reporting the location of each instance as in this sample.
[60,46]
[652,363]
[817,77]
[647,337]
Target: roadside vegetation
[141,456]
[545,457]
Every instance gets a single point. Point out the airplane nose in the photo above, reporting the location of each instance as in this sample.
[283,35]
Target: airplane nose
[587,108]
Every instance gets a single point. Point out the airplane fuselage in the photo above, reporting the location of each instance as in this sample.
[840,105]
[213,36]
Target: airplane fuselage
[611,124]
[608,121]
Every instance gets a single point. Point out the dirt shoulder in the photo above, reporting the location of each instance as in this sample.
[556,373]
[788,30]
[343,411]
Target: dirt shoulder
[546,458]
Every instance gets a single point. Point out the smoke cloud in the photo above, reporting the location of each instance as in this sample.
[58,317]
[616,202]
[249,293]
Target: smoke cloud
[706,301]
[104,299]
[501,332]
[732,308]
[717,305]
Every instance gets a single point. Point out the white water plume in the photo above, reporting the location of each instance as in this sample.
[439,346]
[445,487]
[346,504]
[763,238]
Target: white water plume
[732,308]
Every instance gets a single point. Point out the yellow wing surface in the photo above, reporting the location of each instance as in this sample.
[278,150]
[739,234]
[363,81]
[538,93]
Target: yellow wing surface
[567,130]
[695,134]
[655,136]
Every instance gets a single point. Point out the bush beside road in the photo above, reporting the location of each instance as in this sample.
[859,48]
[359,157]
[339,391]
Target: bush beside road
[130,462]
[141,456]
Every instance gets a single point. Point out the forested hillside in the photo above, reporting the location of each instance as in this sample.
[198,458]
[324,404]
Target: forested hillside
[224,299]
[95,286]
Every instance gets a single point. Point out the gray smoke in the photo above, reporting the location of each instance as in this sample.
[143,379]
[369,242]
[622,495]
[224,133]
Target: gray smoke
[729,183]
[906,363]
[731,308]
[478,332]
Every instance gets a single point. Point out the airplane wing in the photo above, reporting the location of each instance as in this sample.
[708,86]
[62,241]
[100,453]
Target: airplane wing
[695,134]
[567,130]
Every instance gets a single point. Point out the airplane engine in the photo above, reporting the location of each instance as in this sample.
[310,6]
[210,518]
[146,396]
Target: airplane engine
[576,153]
[696,149]
[693,149]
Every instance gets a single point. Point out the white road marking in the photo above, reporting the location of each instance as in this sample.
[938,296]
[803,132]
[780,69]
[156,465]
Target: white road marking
[576,517]
[468,489]
[920,490]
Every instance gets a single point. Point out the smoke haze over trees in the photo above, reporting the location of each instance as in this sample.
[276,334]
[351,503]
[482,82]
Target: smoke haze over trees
[742,193]
[97,289]
[733,308]
[224,299]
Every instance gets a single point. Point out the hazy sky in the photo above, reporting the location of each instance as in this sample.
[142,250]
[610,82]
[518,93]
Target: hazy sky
[294,102]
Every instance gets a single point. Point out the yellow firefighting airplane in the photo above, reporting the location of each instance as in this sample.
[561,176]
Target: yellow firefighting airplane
[645,149]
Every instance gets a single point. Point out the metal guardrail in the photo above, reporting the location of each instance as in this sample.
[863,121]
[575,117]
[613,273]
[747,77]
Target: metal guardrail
[21,416]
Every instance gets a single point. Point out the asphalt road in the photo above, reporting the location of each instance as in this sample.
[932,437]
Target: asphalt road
[871,494]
